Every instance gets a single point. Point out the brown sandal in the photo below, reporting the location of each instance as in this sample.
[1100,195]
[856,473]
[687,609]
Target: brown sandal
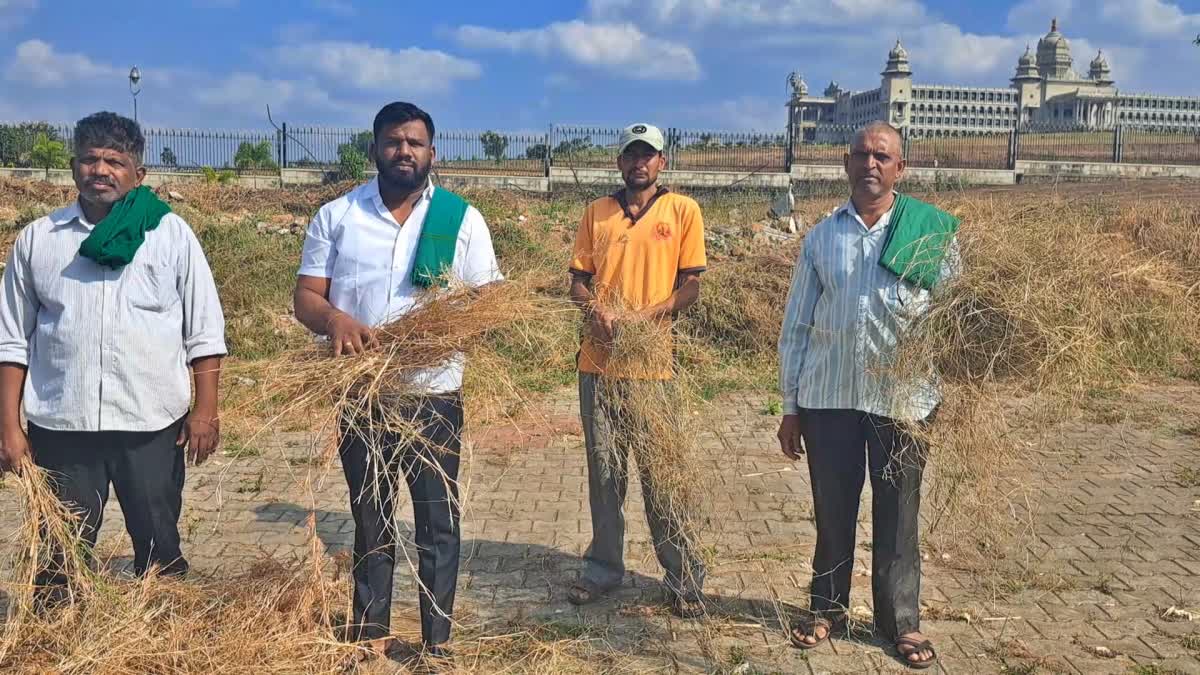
[917,646]
[809,628]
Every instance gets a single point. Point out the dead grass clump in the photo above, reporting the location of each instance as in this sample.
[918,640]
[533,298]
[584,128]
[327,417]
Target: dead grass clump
[1051,306]
[268,619]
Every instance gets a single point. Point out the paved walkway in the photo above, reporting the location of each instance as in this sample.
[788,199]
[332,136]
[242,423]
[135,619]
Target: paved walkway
[1116,543]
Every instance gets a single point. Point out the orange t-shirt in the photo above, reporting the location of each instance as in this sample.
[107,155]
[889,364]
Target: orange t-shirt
[634,263]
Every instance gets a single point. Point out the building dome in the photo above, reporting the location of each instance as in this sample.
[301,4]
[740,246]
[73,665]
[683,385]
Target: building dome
[1054,54]
[897,63]
[1099,69]
[798,85]
[1027,67]
[833,90]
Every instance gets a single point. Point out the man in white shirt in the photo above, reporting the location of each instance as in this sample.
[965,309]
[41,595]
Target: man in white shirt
[106,304]
[361,269]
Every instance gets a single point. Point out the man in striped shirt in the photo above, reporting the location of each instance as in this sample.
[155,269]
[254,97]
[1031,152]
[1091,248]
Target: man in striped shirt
[841,409]
[98,343]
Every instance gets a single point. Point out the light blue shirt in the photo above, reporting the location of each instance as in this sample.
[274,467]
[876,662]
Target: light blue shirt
[107,350]
[845,314]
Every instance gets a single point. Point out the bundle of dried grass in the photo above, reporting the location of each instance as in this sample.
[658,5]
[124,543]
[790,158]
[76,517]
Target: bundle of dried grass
[647,401]
[1053,302]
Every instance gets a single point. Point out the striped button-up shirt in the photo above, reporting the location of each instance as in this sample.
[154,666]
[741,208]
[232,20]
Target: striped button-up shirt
[845,315]
[107,350]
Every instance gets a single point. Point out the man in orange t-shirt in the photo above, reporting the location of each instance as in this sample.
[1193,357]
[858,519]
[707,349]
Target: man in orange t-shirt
[639,251]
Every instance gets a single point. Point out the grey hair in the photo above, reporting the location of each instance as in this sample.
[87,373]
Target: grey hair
[110,131]
[878,126]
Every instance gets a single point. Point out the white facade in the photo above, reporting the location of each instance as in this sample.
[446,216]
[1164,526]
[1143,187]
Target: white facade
[1045,91]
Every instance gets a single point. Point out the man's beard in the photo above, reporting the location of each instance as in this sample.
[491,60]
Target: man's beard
[634,183]
[404,181]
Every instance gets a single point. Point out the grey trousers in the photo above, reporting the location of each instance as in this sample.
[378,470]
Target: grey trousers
[843,446]
[608,463]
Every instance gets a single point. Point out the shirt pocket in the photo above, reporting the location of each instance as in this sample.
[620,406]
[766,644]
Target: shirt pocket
[149,286]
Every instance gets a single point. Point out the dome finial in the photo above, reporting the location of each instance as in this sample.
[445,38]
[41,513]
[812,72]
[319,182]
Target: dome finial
[1054,25]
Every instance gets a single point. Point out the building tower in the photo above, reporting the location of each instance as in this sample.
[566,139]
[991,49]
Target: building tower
[896,90]
[1054,55]
[1028,85]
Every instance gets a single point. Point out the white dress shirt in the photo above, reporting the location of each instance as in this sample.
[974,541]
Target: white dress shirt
[845,315]
[107,350]
[356,243]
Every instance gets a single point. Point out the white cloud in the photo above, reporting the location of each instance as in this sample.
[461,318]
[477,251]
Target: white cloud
[762,12]
[1034,16]
[618,48]
[14,12]
[379,69]
[745,113]
[1149,18]
[250,92]
[39,64]
[944,48]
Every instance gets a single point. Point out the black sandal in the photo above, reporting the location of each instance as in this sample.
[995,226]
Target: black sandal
[809,627]
[917,647]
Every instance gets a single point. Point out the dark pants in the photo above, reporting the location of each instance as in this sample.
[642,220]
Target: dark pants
[608,480]
[145,468]
[842,445]
[373,462]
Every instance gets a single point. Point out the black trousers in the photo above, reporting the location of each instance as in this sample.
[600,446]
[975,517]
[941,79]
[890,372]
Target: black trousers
[842,446]
[147,471]
[373,461]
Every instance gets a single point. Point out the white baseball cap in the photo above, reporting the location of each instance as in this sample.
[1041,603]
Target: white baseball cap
[647,133]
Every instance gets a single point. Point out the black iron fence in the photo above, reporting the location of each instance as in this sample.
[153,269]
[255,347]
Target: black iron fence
[42,145]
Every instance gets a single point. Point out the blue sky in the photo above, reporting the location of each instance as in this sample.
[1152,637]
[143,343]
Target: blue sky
[718,64]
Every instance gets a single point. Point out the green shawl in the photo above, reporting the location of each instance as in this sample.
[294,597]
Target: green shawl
[918,236]
[114,240]
[439,239]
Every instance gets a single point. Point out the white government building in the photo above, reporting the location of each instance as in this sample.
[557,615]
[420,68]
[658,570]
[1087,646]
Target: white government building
[1045,92]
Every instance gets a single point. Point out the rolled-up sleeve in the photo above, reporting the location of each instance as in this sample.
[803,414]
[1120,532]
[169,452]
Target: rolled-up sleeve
[477,264]
[18,312]
[203,319]
[797,324]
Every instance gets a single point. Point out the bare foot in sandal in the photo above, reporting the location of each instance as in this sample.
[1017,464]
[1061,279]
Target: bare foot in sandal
[806,634]
[916,650]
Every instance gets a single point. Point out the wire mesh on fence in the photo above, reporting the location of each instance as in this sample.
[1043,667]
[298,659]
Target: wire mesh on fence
[1144,145]
[584,147]
[968,150]
[690,150]
[1065,144]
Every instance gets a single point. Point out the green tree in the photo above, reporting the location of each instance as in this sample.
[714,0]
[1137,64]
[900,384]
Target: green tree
[49,154]
[167,157]
[254,156]
[353,157]
[494,145]
[16,142]
[536,151]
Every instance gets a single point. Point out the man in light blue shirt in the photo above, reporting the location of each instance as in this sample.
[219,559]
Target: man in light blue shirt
[842,408]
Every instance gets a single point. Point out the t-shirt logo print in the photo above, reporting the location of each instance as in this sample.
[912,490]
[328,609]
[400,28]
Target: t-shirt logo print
[662,231]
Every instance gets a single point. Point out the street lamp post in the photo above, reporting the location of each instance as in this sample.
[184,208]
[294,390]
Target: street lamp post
[135,88]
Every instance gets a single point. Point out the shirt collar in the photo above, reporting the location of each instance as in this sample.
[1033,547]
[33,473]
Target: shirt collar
[849,209]
[70,214]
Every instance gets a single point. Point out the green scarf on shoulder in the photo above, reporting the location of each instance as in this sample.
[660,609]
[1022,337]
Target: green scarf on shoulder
[918,237]
[114,240]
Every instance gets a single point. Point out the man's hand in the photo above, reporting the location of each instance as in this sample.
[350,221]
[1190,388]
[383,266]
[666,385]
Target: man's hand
[790,437]
[602,326]
[348,336]
[199,436]
[14,449]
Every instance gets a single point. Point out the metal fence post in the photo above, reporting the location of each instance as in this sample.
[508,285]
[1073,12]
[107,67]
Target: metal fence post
[1118,138]
[549,145]
[283,150]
